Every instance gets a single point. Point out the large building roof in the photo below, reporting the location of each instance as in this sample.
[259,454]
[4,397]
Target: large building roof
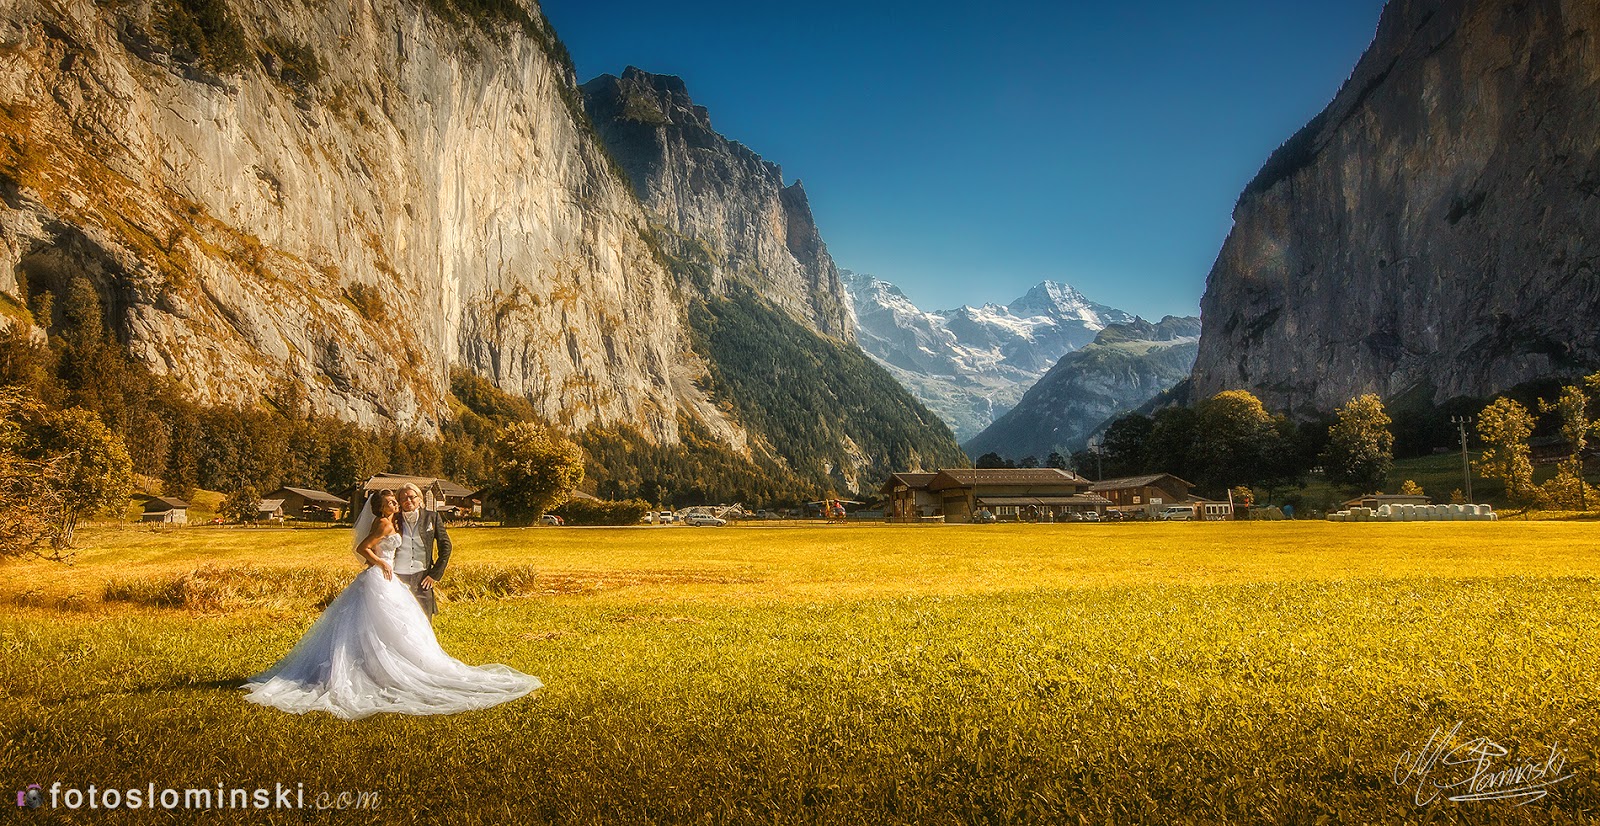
[1020,477]
[1136,482]
[393,481]
[157,504]
[314,495]
[910,480]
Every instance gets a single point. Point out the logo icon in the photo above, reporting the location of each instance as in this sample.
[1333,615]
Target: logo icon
[31,797]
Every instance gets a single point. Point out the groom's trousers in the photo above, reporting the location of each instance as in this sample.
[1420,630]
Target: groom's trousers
[424,596]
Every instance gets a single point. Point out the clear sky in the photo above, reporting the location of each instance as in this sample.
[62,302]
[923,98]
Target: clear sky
[967,152]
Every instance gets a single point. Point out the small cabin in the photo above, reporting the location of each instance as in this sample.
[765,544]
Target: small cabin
[166,510]
[308,504]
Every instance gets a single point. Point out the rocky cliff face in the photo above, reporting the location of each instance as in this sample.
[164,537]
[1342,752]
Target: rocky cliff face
[971,364]
[1126,366]
[1431,233]
[764,298]
[705,189]
[356,195]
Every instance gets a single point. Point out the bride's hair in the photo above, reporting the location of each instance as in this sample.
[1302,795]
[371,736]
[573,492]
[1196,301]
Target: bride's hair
[375,504]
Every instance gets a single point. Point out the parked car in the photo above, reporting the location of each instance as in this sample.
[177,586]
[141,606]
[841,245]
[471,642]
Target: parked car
[552,519]
[766,514]
[699,519]
[1178,513]
[984,516]
[666,517]
[1091,516]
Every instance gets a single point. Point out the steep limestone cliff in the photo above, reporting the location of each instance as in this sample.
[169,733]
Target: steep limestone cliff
[1431,233]
[356,194]
[705,189]
[765,302]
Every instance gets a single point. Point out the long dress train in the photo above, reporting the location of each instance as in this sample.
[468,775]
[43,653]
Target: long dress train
[373,650]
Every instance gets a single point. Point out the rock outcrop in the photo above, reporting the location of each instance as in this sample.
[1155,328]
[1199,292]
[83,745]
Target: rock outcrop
[707,190]
[1126,366]
[353,195]
[1431,233]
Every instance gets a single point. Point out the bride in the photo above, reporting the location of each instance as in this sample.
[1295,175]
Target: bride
[373,649]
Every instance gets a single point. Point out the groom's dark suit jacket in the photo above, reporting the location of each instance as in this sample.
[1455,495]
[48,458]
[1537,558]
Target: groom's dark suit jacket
[435,542]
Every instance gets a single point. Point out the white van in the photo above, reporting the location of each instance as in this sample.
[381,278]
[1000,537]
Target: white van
[1177,513]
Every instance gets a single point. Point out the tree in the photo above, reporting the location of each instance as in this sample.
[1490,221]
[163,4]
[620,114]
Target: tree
[1029,462]
[1124,450]
[242,505]
[1170,447]
[1457,497]
[993,460]
[90,462]
[30,490]
[1410,488]
[1056,460]
[1234,436]
[1360,449]
[1504,427]
[1572,408]
[535,470]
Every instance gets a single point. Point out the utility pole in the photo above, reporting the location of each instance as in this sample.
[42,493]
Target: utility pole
[1461,423]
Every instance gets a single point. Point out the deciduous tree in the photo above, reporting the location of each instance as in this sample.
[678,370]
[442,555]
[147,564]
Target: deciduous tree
[1504,427]
[242,505]
[1360,449]
[89,466]
[1572,410]
[535,470]
[1233,439]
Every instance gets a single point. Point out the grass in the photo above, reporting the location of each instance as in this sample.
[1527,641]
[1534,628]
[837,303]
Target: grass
[1259,672]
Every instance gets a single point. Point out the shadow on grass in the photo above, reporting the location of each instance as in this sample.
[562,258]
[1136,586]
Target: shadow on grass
[233,684]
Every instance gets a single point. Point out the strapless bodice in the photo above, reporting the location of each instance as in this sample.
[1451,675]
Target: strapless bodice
[387,546]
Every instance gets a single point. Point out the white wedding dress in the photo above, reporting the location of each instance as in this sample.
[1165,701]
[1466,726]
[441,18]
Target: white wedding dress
[372,651]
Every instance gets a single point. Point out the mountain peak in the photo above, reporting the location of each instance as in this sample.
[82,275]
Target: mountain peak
[1050,298]
[666,83]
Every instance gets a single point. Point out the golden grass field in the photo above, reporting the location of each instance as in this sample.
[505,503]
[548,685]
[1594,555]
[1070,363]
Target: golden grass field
[1221,672]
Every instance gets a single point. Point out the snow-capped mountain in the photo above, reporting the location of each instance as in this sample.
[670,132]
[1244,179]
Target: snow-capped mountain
[972,364]
[1125,366]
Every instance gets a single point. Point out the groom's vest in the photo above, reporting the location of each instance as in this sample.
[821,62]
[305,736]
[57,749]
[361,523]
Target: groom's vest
[412,555]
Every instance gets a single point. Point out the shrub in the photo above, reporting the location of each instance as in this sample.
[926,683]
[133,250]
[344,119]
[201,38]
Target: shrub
[603,511]
[203,32]
[298,63]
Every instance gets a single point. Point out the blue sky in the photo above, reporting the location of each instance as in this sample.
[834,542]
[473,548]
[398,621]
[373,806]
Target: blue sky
[967,153]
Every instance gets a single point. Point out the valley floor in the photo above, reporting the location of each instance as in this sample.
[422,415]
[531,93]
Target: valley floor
[1274,672]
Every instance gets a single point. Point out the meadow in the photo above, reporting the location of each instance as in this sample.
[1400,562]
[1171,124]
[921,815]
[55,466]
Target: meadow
[1221,672]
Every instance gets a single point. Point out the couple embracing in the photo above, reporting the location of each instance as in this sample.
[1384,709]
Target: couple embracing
[373,649]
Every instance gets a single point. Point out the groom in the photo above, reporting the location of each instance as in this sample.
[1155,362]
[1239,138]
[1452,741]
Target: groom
[415,562]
